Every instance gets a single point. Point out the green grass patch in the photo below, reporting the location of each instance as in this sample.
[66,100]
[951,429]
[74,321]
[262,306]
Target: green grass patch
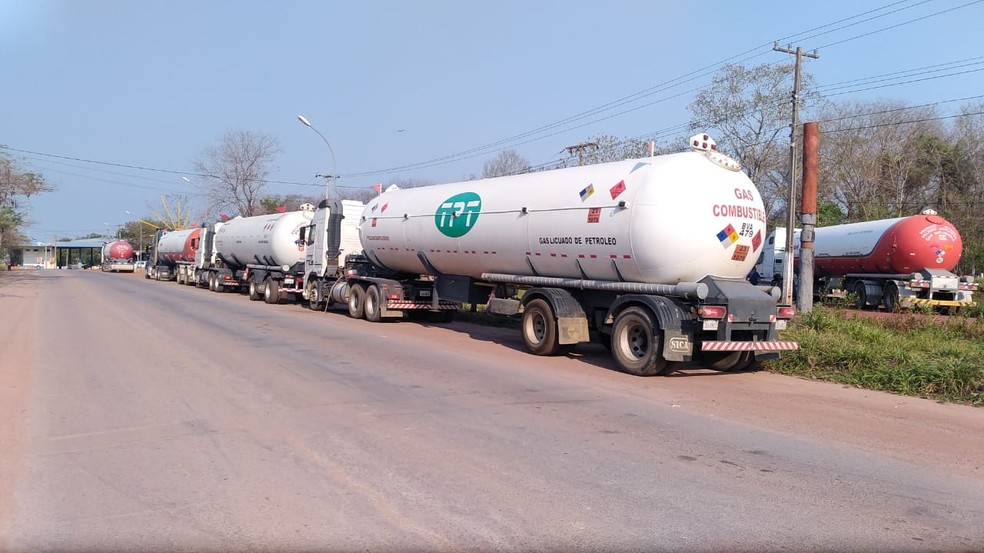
[909,354]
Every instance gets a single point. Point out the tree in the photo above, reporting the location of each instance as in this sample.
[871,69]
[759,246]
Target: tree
[290,202]
[508,162]
[236,171]
[747,110]
[174,214]
[16,183]
[870,160]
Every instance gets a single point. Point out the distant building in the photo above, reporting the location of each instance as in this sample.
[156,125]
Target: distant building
[42,255]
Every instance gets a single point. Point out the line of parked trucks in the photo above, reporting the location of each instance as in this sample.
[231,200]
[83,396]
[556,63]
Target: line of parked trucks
[647,257]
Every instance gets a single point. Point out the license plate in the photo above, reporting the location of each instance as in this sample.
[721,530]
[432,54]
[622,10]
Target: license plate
[780,325]
[425,293]
[710,325]
[288,280]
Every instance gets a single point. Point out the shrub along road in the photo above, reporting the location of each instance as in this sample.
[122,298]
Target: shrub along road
[147,415]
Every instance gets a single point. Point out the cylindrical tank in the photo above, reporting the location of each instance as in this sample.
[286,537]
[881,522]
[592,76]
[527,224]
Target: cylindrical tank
[263,239]
[888,246]
[178,245]
[119,250]
[666,219]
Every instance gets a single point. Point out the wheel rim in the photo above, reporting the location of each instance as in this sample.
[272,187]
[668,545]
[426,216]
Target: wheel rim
[636,342]
[538,328]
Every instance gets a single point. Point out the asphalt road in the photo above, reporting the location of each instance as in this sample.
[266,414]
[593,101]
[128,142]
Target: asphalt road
[152,416]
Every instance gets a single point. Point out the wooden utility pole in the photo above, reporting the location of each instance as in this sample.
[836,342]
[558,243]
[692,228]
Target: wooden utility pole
[787,276]
[579,148]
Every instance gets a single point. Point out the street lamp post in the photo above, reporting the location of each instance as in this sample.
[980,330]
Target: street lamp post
[140,234]
[334,166]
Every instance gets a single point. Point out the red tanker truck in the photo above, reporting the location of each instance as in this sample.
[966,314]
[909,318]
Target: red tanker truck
[171,252]
[898,263]
[117,256]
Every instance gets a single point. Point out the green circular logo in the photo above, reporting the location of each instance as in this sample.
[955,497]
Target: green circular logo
[458,214]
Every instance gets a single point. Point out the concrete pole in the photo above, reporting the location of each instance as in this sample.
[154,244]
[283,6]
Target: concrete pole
[808,215]
[787,273]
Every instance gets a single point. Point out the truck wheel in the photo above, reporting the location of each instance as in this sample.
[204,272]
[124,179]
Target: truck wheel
[314,295]
[271,292]
[256,290]
[636,344]
[726,361]
[372,306]
[891,297]
[357,301]
[213,283]
[540,328]
[860,296]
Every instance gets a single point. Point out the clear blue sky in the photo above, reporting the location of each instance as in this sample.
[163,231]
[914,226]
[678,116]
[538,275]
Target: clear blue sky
[153,83]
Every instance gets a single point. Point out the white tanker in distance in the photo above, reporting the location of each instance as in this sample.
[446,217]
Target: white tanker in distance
[262,253]
[646,256]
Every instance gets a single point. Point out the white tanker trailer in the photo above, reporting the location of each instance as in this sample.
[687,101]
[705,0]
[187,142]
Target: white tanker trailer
[646,256]
[262,253]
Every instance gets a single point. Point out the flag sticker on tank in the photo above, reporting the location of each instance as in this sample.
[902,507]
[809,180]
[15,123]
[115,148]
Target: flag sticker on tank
[587,192]
[617,189]
[728,236]
[756,241]
[594,214]
[741,252]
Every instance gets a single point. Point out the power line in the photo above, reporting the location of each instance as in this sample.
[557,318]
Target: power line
[896,26]
[672,83]
[895,123]
[511,141]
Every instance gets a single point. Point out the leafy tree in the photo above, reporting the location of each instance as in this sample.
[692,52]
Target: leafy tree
[866,158]
[289,202]
[508,162]
[236,170]
[15,183]
[747,110]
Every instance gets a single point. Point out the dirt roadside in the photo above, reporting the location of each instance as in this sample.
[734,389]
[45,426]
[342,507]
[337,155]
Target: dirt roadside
[18,301]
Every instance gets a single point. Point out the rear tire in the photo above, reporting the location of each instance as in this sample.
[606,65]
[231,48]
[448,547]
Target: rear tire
[540,328]
[861,296]
[372,306]
[357,301]
[255,293]
[636,343]
[726,361]
[891,297]
[271,292]
[314,295]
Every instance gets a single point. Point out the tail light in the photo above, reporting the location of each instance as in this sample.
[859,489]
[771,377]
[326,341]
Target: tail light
[712,311]
[786,312]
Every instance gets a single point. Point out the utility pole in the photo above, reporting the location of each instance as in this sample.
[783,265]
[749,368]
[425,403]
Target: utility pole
[787,276]
[327,181]
[580,148]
